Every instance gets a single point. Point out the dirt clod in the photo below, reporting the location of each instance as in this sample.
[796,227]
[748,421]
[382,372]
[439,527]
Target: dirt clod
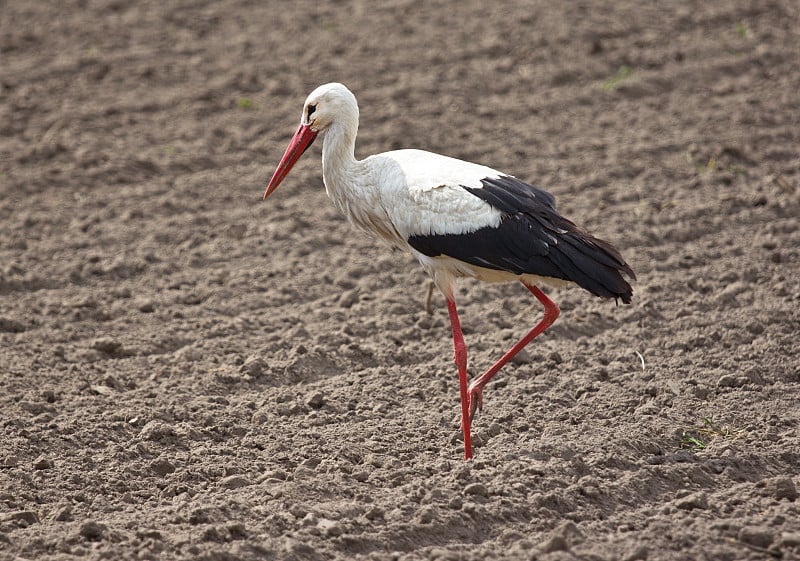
[695,500]
[478,489]
[759,536]
[92,530]
[779,488]
[26,517]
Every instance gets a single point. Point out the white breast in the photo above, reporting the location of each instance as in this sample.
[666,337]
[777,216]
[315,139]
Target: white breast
[422,193]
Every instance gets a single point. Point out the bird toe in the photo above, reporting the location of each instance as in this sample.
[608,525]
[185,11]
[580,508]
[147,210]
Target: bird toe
[475,402]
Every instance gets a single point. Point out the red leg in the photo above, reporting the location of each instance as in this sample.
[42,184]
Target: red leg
[460,358]
[550,314]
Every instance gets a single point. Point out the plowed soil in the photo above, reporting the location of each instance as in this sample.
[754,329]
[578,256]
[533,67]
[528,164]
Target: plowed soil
[189,373]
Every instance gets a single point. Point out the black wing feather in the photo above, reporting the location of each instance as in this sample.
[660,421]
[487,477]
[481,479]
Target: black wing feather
[533,238]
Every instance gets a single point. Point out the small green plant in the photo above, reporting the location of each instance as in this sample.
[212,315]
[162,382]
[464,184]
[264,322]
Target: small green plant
[616,80]
[245,103]
[708,166]
[712,429]
[709,431]
[692,442]
[694,161]
[741,30]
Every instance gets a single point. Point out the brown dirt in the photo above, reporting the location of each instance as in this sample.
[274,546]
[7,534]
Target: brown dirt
[186,373]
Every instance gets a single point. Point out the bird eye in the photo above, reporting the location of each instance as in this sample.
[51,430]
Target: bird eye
[311,109]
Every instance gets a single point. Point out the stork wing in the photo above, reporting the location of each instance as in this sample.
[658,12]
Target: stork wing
[499,222]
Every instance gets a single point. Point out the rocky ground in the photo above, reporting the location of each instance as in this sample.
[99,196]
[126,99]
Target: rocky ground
[187,373]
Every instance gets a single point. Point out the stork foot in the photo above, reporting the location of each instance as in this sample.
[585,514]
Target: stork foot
[475,401]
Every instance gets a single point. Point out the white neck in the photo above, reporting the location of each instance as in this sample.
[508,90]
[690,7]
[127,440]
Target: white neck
[339,164]
[353,185]
[347,180]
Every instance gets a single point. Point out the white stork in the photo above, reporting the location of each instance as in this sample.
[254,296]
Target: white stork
[458,219]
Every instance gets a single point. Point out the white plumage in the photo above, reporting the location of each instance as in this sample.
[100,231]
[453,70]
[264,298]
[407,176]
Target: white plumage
[458,218]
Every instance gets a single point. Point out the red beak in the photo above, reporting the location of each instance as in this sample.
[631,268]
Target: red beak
[300,142]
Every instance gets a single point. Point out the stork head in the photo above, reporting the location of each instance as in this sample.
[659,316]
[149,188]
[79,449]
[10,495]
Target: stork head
[327,106]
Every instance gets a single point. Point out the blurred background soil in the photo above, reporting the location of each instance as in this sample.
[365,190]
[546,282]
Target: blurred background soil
[186,373]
